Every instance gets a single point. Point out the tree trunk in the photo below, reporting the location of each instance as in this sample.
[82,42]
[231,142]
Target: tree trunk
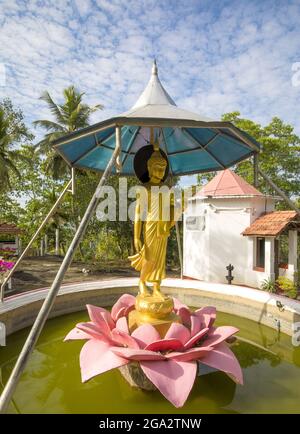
[42,247]
[45,244]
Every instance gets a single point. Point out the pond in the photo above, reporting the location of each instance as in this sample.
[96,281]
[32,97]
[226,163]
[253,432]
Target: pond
[51,382]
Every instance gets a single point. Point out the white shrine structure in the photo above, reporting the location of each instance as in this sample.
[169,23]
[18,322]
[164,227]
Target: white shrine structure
[231,222]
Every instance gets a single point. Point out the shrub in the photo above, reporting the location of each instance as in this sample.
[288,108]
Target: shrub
[268,285]
[287,286]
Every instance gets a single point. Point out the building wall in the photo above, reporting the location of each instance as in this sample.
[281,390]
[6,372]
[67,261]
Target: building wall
[218,242]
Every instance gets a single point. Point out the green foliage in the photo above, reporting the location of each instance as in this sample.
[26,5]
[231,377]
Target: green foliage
[268,285]
[13,132]
[287,286]
[279,157]
[70,116]
[28,192]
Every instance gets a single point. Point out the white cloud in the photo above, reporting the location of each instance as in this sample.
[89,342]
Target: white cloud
[212,57]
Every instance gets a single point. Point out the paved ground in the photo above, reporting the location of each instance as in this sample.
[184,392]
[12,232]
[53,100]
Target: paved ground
[39,272]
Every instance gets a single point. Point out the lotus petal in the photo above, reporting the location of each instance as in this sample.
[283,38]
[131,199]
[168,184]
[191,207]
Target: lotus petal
[178,331]
[207,315]
[223,359]
[133,354]
[124,339]
[174,379]
[178,304]
[126,301]
[191,342]
[189,355]
[96,358]
[145,335]
[122,325]
[196,324]
[94,332]
[101,317]
[165,345]
[219,335]
[183,311]
[75,334]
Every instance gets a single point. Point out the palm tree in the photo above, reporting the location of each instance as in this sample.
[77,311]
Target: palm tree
[70,116]
[8,157]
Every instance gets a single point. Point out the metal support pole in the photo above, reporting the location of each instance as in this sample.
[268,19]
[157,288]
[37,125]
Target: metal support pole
[118,155]
[50,299]
[52,210]
[179,249]
[255,170]
[278,190]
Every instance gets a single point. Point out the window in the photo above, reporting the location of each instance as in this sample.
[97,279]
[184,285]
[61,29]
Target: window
[260,253]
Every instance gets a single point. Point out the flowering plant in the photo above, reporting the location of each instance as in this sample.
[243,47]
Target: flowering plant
[169,363]
[5,266]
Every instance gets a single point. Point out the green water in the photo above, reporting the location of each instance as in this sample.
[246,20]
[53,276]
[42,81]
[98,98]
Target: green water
[51,382]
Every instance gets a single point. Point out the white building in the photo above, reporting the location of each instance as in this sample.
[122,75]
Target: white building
[231,222]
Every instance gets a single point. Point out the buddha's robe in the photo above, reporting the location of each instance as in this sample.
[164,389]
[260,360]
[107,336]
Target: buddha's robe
[151,259]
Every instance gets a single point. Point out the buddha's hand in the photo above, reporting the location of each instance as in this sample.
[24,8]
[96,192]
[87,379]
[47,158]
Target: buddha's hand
[138,245]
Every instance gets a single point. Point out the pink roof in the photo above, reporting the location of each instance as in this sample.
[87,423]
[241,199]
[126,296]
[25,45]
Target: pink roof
[228,183]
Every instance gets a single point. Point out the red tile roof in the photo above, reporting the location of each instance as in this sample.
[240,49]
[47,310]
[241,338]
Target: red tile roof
[9,228]
[272,224]
[228,183]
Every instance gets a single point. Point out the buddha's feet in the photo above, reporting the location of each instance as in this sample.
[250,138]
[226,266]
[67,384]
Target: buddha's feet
[143,289]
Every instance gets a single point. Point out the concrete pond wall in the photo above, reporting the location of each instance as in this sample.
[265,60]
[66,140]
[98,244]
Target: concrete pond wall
[277,312]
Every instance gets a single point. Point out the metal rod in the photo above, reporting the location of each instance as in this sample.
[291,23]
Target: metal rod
[50,299]
[179,248]
[278,190]
[34,238]
[118,147]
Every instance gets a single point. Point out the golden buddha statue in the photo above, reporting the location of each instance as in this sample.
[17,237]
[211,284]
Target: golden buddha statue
[150,258]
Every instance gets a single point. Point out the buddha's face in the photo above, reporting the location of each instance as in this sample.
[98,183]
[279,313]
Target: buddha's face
[156,172]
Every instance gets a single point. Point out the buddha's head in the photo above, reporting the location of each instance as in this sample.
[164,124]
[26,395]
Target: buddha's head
[156,166]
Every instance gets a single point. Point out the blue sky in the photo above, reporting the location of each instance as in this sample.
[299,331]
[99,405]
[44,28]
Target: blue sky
[213,56]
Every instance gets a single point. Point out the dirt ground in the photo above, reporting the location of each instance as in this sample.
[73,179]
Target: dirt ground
[39,272]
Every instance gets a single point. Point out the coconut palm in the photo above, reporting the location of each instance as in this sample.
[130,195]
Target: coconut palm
[70,116]
[9,157]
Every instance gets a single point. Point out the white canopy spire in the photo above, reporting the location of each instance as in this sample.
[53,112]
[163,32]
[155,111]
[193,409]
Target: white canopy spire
[155,102]
[154,93]
[154,67]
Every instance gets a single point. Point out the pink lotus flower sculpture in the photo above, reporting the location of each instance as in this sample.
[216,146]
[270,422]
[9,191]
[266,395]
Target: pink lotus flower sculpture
[169,363]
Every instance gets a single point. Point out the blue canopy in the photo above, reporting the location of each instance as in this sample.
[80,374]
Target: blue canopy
[191,142]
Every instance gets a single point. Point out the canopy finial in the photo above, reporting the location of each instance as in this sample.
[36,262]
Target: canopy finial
[154,67]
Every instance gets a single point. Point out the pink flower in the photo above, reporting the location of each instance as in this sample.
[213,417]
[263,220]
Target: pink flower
[5,265]
[169,363]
